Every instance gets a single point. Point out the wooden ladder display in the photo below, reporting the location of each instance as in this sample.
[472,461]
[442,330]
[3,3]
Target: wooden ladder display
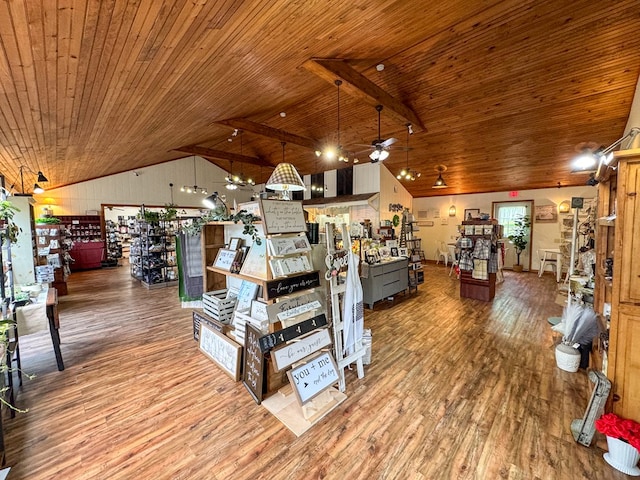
[338,258]
[403,230]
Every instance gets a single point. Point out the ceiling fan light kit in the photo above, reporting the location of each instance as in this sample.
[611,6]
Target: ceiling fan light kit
[380,147]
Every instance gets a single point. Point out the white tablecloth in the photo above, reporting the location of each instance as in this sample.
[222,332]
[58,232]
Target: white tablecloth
[32,318]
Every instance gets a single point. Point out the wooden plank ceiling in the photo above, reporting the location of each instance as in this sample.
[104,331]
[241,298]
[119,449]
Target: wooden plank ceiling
[500,92]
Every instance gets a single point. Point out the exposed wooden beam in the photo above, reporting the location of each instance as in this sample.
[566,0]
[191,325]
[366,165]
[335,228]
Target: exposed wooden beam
[357,85]
[270,132]
[222,155]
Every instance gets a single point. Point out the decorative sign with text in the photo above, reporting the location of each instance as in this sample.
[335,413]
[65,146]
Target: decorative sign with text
[253,367]
[267,342]
[279,216]
[306,306]
[199,318]
[221,349]
[289,285]
[314,377]
[296,350]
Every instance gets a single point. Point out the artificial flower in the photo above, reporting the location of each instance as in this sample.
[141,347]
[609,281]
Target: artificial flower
[621,428]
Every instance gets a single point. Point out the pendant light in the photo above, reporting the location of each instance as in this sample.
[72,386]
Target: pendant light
[407,173]
[440,183]
[195,188]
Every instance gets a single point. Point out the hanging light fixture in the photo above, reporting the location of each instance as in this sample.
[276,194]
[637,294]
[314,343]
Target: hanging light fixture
[452,211]
[407,173]
[195,188]
[41,178]
[285,178]
[336,152]
[440,183]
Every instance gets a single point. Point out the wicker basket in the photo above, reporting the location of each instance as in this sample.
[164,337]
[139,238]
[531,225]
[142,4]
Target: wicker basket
[567,358]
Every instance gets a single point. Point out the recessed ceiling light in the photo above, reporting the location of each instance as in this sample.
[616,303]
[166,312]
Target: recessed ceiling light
[283,114]
[380,67]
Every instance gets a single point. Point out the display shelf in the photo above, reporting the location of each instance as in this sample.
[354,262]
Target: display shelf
[88,248]
[51,251]
[479,289]
[152,254]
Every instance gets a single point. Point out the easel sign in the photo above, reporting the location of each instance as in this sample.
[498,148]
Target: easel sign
[280,216]
[313,377]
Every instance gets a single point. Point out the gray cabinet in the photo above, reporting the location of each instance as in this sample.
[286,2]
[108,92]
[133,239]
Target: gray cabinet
[384,280]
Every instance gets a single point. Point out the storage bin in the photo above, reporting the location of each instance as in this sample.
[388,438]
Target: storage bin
[217,305]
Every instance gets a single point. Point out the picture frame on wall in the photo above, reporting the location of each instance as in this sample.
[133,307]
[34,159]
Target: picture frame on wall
[546,213]
[471,213]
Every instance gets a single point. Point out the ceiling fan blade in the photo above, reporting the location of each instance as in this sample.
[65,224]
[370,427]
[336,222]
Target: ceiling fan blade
[388,142]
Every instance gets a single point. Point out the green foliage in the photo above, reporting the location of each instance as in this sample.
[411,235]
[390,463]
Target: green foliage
[48,220]
[219,215]
[520,235]
[11,230]
[169,213]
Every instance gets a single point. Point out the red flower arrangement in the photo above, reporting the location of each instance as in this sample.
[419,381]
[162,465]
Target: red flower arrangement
[617,427]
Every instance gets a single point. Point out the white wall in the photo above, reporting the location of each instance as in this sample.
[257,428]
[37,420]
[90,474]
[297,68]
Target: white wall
[545,235]
[150,186]
[392,192]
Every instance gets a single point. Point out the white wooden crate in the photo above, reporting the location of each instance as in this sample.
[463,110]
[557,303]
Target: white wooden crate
[241,318]
[217,305]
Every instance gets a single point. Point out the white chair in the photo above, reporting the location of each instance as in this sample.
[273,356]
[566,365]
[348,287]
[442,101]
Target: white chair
[542,257]
[454,258]
[443,252]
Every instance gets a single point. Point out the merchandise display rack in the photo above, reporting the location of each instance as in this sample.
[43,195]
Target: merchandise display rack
[153,254]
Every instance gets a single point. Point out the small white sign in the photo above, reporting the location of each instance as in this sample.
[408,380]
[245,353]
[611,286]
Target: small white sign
[314,377]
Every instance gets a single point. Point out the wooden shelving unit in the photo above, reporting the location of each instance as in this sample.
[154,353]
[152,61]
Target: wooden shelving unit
[619,240]
[475,288]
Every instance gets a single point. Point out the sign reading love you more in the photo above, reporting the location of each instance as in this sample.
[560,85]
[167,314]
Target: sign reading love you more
[314,377]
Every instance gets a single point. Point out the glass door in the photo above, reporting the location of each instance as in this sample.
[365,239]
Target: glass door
[507,213]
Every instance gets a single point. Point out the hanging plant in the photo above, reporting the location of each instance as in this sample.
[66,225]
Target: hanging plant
[169,213]
[48,220]
[219,215]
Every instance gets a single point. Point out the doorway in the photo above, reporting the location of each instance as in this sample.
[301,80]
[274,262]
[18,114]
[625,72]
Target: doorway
[506,213]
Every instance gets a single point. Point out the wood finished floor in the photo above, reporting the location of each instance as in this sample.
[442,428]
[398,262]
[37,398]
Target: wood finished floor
[457,389]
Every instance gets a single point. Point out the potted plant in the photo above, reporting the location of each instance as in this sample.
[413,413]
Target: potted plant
[520,237]
[623,440]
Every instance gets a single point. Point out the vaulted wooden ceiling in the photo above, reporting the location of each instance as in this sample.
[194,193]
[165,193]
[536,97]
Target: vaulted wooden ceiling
[500,92]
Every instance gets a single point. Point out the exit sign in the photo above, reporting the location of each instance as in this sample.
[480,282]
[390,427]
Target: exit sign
[513,193]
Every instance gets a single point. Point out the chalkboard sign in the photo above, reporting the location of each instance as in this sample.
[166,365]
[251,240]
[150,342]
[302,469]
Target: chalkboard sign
[199,318]
[279,216]
[314,377]
[267,342]
[253,365]
[221,349]
[289,285]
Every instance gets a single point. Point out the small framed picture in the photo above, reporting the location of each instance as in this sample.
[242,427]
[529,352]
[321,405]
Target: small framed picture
[394,251]
[403,252]
[471,213]
[235,243]
[225,258]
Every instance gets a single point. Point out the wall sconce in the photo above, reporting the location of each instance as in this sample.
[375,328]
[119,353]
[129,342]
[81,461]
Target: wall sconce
[564,206]
[452,211]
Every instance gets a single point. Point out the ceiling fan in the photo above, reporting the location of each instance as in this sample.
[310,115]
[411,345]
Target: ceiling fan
[379,147]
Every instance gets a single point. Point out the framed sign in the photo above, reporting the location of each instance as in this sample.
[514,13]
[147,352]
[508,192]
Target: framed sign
[296,350]
[255,265]
[280,216]
[314,377]
[235,243]
[301,307]
[199,318]
[471,213]
[253,365]
[289,285]
[224,259]
[546,214]
[221,349]
[288,244]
